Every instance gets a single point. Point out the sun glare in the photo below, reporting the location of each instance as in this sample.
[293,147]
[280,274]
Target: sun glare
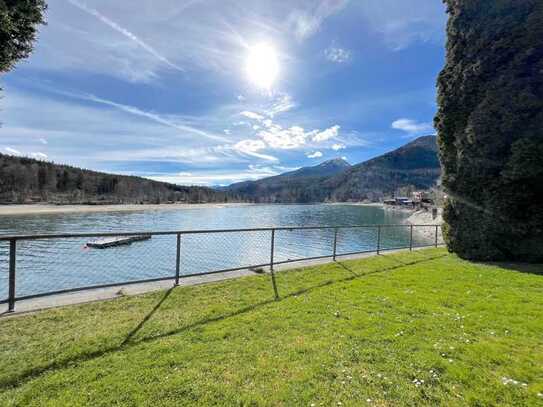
[262,66]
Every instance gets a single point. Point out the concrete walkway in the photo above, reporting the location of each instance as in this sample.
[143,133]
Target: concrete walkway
[101,294]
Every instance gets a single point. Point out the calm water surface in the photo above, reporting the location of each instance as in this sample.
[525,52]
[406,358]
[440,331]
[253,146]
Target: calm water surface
[50,265]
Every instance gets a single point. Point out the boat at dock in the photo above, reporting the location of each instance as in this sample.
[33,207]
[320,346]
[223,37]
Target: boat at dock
[113,241]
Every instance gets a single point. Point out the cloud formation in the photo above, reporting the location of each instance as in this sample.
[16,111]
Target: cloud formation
[411,126]
[337,55]
[131,36]
[12,151]
[316,154]
[326,134]
[306,23]
[252,115]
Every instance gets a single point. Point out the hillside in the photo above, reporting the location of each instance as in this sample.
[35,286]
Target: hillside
[412,166]
[301,185]
[24,180]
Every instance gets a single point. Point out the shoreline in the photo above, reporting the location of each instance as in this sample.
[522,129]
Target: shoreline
[36,209]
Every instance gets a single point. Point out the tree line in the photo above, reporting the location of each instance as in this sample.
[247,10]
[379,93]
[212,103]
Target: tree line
[26,180]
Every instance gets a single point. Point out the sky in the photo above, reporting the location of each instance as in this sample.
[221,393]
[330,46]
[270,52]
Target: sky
[211,92]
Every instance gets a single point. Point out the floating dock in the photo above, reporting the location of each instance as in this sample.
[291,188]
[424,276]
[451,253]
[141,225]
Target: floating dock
[116,241]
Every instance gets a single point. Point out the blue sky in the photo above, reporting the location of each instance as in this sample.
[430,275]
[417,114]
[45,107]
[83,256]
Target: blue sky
[212,92]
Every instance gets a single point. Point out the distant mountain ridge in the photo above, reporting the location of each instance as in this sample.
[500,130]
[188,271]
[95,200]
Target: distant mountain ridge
[414,165]
[326,168]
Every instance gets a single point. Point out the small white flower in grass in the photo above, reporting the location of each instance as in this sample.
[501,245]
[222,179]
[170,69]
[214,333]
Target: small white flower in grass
[540,395]
[450,360]
[507,380]
[368,400]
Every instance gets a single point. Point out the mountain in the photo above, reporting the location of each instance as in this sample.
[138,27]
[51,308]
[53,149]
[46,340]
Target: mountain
[293,186]
[327,168]
[412,166]
[25,180]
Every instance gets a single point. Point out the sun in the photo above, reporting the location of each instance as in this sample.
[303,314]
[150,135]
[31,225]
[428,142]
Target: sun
[262,65]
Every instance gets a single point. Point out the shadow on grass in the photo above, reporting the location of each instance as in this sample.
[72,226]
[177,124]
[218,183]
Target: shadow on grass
[529,268]
[128,341]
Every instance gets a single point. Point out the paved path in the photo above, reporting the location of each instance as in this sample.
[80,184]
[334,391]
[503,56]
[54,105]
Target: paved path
[100,294]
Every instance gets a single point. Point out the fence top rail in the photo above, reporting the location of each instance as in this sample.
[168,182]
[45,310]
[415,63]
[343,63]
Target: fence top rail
[190,232]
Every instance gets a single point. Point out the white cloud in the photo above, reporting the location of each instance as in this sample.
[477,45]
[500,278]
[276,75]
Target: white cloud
[252,115]
[131,36]
[316,154]
[284,139]
[338,146]
[412,127]
[338,55]
[38,156]
[305,23]
[152,116]
[241,98]
[251,147]
[93,134]
[281,104]
[221,177]
[326,134]
[226,131]
[12,151]
[42,140]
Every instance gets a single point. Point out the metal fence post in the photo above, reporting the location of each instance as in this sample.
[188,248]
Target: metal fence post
[272,249]
[178,259]
[335,243]
[411,238]
[436,234]
[12,261]
[378,238]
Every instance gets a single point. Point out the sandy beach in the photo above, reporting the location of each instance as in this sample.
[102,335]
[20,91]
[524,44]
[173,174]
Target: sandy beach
[425,218]
[6,210]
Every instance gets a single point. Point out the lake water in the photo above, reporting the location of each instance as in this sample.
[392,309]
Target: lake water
[50,265]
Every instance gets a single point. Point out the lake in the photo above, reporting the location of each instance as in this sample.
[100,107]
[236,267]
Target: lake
[50,265]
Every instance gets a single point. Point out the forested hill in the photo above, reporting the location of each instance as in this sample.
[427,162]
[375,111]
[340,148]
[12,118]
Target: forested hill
[293,186]
[25,180]
[412,166]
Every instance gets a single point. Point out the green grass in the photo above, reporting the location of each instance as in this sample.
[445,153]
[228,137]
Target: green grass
[421,328]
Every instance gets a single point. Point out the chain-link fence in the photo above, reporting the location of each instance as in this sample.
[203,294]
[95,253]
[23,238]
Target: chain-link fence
[38,265]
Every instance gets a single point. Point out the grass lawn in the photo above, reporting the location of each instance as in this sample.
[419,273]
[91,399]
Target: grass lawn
[421,328]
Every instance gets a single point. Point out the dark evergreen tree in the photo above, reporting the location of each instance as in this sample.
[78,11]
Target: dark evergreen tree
[19,21]
[490,129]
